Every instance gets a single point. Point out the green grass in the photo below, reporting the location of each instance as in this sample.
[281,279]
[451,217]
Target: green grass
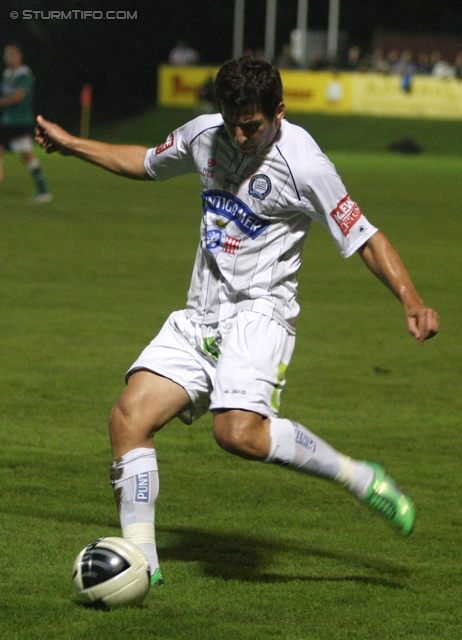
[248,551]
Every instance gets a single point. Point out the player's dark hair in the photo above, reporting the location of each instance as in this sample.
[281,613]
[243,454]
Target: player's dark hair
[246,84]
[17,45]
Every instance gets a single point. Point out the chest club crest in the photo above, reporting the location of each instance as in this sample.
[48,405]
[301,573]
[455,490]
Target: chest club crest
[260,186]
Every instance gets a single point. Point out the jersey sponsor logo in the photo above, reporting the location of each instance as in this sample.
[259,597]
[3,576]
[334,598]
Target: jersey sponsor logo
[142,486]
[231,245]
[346,214]
[216,239]
[260,186]
[207,171]
[165,145]
[227,205]
[213,239]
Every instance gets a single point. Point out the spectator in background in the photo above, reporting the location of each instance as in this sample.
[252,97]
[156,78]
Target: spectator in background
[206,97]
[458,65]
[405,65]
[424,66]
[442,68]
[353,59]
[379,63]
[285,60]
[316,63]
[435,57]
[183,54]
[18,119]
[392,59]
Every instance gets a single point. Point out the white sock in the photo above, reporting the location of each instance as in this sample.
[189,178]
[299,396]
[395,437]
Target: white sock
[135,479]
[293,445]
[33,164]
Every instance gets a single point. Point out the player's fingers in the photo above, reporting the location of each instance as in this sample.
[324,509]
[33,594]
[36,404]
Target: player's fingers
[39,136]
[412,327]
[424,324]
[430,324]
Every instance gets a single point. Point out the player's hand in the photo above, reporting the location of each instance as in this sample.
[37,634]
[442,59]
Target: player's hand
[423,323]
[52,137]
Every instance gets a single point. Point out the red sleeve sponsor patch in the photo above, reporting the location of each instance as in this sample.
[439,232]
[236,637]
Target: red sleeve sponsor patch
[165,145]
[346,214]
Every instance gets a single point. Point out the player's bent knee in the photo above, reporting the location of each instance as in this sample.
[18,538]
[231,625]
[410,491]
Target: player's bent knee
[239,433]
[127,420]
[227,436]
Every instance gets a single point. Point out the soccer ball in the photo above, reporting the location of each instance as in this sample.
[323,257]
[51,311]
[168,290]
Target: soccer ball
[110,573]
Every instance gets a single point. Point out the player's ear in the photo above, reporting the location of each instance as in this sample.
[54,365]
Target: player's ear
[280,111]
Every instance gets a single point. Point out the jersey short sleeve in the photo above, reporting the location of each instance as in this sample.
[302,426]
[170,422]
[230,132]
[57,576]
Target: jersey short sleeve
[324,197]
[174,157]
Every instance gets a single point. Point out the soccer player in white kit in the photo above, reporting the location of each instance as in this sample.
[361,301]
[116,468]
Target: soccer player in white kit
[264,181]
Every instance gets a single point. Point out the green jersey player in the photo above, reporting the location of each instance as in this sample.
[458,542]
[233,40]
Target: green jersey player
[17,117]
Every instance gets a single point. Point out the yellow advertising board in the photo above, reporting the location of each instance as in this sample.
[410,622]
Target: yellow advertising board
[177,86]
[329,92]
[303,90]
[321,91]
[389,95]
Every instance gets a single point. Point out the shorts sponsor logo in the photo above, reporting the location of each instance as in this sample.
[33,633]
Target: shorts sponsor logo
[260,186]
[346,214]
[234,391]
[304,440]
[207,173]
[211,162]
[142,487]
[165,145]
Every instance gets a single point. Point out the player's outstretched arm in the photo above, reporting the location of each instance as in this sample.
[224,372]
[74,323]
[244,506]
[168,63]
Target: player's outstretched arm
[382,259]
[15,98]
[124,160]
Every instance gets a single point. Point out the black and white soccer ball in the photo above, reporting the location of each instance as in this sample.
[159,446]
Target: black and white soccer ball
[110,573]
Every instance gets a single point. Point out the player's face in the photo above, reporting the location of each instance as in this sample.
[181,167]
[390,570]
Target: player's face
[12,57]
[252,132]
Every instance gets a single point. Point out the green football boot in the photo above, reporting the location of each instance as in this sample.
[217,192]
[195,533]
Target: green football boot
[385,497]
[156,579]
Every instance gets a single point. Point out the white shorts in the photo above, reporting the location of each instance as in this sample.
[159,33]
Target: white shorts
[24,144]
[239,363]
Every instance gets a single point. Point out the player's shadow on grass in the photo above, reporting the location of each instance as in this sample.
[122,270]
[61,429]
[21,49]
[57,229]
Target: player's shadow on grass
[247,559]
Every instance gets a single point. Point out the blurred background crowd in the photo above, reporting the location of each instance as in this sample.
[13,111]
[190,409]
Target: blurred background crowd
[403,61]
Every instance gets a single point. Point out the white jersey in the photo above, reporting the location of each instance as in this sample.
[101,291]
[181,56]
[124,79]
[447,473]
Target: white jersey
[257,212]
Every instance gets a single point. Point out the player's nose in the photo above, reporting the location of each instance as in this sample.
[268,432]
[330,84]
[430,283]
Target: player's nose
[239,136]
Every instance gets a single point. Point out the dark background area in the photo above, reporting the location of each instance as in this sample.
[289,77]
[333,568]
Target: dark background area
[120,57]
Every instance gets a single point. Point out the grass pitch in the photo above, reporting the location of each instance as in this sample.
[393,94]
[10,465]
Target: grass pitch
[248,551]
